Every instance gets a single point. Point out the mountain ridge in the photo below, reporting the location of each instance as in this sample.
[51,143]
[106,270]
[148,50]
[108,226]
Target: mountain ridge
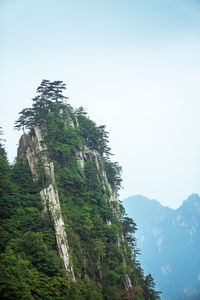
[169,242]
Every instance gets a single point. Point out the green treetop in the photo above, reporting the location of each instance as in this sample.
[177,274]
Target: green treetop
[48,94]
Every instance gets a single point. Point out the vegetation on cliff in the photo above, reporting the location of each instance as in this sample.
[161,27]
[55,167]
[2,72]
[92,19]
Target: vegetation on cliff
[101,239]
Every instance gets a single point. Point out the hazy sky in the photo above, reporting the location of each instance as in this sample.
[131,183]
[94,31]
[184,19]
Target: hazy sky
[133,65]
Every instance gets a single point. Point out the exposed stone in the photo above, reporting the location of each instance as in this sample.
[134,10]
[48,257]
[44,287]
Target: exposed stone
[33,148]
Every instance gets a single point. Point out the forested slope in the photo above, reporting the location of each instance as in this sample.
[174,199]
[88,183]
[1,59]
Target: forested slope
[64,234]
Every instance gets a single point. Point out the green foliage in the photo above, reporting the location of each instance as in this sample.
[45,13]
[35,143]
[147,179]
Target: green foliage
[8,193]
[113,172]
[96,137]
[22,177]
[30,266]
[49,99]
[32,247]
[149,288]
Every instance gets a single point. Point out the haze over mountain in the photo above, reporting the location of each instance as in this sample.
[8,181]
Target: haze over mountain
[170,244]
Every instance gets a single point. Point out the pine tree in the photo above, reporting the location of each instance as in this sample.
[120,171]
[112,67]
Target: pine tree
[149,289]
[48,94]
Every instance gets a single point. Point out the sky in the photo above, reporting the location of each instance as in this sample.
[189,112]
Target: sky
[134,65]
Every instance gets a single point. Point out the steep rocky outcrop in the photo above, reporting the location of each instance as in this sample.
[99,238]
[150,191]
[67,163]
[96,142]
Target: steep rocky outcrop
[65,232]
[33,148]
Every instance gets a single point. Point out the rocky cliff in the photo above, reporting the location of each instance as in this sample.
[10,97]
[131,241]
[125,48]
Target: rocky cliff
[31,147]
[79,222]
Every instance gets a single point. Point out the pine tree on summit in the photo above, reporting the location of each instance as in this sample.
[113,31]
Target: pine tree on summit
[49,94]
[52,91]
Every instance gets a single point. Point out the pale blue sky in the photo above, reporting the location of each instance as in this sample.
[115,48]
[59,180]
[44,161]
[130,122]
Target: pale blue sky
[133,65]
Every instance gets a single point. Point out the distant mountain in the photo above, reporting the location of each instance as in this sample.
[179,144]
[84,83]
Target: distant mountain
[170,244]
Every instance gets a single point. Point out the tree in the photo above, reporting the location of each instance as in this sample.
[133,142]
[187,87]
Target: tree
[149,289]
[52,90]
[48,94]
[113,172]
[2,150]
[95,136]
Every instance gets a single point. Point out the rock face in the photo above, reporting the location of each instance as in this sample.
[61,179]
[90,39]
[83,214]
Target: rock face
[170,244]
[35,151]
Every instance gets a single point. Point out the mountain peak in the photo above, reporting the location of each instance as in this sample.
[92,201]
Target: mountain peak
[193,198]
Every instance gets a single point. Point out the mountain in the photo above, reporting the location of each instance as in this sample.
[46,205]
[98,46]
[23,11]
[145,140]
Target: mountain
[63,231]
[170,244]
